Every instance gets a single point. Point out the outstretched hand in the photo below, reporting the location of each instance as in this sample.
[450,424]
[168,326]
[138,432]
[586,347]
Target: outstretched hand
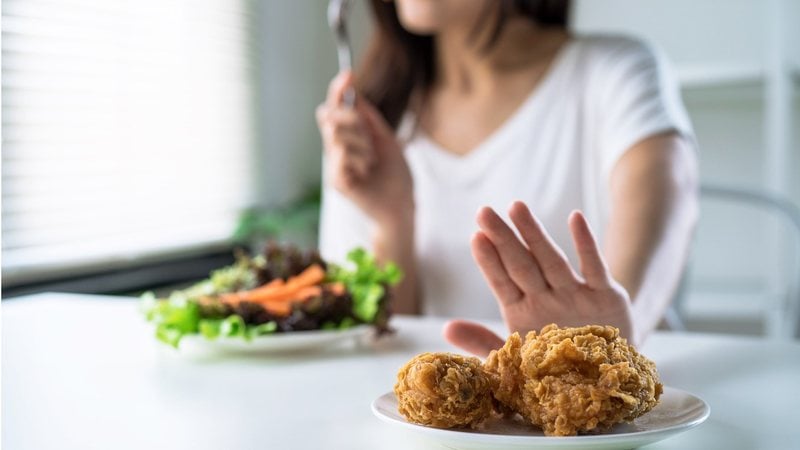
[534,284]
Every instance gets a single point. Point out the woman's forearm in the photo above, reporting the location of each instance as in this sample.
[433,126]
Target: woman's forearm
[654,191]
[663,270]
[394,241]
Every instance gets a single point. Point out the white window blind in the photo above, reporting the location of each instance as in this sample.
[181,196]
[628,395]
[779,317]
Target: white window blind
[126,129]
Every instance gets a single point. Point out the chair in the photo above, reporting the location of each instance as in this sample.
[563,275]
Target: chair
[780,304]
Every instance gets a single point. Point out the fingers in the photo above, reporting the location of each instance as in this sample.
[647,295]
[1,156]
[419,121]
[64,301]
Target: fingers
[491,265]
[339,119]
[509,254]
[551,260]
[341,126]
[346,139]
[471,337]
[353,160]
[592,265]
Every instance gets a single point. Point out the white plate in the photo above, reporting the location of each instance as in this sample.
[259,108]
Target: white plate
[291,341]
[676,412]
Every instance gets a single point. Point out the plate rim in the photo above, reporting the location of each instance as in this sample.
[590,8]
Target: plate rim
[516,439]
[356,329]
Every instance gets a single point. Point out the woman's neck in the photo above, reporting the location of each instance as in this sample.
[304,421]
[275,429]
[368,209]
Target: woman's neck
[464,63]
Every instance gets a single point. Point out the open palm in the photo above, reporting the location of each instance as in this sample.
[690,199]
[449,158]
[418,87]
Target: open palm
[534,283]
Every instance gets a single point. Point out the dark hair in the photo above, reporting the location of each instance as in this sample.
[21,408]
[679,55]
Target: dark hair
[397,63]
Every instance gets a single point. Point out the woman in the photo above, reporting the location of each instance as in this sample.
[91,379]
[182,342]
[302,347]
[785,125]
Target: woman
[470,106]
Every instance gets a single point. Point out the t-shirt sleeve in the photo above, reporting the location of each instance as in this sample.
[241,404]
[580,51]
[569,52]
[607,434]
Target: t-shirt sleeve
[343,226]
[638,97]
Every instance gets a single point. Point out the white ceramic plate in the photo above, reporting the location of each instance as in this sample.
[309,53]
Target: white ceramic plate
[292,341]
[676,412]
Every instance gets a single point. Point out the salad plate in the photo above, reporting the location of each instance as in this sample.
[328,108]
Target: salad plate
[676,412]
[281,300]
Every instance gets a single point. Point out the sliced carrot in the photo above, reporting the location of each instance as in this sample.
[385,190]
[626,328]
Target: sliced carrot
[337,288]
[298,295]
[278,295]
[309,292]
[278,309]
[274,284]
[313,274]
[236,297]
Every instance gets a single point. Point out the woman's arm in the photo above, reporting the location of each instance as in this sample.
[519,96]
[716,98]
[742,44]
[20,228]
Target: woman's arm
[395,242]
[654,208]
[366,164]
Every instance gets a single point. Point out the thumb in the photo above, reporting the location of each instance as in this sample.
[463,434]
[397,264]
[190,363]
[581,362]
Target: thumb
[472,337]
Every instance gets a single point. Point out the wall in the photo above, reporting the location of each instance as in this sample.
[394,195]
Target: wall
[296,59]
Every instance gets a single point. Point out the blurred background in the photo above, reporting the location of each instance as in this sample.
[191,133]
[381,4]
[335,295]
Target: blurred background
[143,140]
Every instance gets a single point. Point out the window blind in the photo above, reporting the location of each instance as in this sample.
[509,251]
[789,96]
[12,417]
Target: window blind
[126,130]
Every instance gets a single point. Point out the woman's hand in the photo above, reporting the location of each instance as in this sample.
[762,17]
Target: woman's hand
[365,160]
[534,283]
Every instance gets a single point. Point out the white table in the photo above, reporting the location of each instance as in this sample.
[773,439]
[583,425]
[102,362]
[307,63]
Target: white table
[84,372]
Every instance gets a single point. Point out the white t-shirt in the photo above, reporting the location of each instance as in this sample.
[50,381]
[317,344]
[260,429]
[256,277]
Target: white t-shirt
[601,96]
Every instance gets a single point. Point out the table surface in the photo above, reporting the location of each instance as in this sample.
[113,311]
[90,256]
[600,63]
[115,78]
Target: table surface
[85,372]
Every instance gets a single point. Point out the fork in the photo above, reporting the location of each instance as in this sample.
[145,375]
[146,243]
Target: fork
[337,19]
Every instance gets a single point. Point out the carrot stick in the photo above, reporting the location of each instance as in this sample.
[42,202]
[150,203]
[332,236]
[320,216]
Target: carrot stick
[278,309]
[336,288]
[308,292]
[236,297]
[282,306]
[278,291]
[314,274]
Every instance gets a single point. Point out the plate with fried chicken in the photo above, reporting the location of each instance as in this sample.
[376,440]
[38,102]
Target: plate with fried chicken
[581,387]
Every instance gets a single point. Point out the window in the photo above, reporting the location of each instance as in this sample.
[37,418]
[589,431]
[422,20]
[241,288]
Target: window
[127,130]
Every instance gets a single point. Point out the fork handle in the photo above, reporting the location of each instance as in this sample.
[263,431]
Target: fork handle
[345,63]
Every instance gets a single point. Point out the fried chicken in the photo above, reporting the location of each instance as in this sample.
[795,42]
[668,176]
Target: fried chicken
[566,381]
[573,380]
[444,390]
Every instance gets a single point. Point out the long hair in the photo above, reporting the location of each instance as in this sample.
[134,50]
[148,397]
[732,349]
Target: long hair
[398,63]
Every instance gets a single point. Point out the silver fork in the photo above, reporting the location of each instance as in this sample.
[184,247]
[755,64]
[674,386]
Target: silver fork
[337,19]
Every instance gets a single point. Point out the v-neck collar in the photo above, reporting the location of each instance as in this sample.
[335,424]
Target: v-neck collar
[505,130]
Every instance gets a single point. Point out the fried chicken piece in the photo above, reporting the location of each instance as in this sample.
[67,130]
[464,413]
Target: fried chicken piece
[574,380]
[444,390]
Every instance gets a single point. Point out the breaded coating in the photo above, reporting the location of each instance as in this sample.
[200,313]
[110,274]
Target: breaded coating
[503,367]
[444,390]
[574,380]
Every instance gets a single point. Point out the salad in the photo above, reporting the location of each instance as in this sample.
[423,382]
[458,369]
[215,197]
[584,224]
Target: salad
[281,290]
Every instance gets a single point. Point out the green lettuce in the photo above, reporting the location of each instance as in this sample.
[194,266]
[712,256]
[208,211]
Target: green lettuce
[178,316]
[174,317]
[366,281]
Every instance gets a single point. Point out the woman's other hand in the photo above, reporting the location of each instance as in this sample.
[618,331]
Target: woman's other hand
[365,161]
[534,283]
